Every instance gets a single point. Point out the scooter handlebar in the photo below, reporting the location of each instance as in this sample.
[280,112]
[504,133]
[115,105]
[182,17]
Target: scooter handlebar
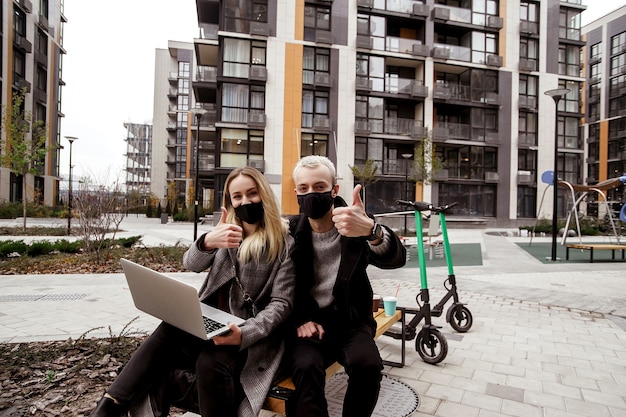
[423,206]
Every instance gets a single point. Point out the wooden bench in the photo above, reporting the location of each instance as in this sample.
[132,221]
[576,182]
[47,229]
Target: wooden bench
[596,246]
[279,393]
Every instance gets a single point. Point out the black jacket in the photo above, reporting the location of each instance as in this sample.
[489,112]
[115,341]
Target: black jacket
[352,290]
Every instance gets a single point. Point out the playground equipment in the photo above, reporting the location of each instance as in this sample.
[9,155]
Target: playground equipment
[583,190]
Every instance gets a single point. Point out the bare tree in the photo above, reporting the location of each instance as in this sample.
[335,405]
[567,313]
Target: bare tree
[99,211]
[23,143]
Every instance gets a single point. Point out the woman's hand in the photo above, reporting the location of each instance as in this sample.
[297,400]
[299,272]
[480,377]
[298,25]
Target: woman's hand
[232,338]
[223,235]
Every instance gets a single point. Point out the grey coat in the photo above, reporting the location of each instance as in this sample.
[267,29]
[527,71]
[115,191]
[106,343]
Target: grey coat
[272,287]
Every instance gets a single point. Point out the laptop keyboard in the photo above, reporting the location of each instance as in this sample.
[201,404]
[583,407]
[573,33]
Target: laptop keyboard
[211,325]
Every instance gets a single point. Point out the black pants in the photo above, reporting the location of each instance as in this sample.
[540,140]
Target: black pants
[154,367]
[307,360]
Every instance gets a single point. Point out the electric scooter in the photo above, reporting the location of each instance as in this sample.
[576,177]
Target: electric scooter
[458,315]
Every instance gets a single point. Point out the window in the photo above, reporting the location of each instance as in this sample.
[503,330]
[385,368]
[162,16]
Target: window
[528,91]
[316,18]
[315,60]
[42,43]
[618,64]
[20,22]
[569,60]
[240,54]
[529,11]
[239,145]
[239,14]
[483,44]
[314,144]
[483,83]
[595,52]
[19,65]
[617,106]
[569,24]
[571,102]
[183,69]
[183,86]
[595,72]
[482,9]
[568,132]
[526,202]
[570,168]
[182,103]
[484,124]
[314,103]
[618,43]
[529,50]
[469,162]
[43,8]
[527,129]
[41,82]
[473,200]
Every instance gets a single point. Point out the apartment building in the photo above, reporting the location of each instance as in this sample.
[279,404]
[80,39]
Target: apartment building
[138,158]
[605,121]
[360,80]
[31,42]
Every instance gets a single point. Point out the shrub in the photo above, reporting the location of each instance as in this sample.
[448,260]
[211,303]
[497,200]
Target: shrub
[40,248]
[181,216]
[10,246]
[66,246]
[128,242]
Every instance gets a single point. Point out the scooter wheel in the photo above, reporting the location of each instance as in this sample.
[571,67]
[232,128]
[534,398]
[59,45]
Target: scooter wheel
[431,345]
[460,318]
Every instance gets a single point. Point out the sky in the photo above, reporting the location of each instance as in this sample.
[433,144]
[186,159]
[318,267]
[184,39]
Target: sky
[109,74]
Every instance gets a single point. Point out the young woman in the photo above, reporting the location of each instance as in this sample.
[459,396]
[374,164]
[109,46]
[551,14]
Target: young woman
[250,275]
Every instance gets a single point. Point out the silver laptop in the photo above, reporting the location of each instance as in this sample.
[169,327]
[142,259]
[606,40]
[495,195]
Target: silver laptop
[175,302]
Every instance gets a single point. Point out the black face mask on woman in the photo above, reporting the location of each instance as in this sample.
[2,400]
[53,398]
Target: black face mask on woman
[250,213]
[315,205]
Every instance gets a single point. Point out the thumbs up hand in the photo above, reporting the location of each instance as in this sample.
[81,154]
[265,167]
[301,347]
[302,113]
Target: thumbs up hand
[352,221]
[223,235]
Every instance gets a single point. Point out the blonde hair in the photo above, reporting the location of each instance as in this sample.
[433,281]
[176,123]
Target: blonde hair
[314,161]
[269,238]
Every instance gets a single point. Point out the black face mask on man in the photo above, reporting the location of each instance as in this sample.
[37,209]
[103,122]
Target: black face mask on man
[315,205]
[250,213]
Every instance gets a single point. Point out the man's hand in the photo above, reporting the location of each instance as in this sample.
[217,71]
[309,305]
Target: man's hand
[233,337]
[223,235]
[352,221]
[311,330]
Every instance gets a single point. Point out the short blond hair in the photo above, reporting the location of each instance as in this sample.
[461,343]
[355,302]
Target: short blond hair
[314,161]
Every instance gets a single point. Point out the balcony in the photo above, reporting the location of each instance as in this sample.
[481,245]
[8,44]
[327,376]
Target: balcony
[22,43]
[524,177]
[258,73]
[401,45]
[411,7]
[527,64]
[259,28]
[413,88]
[529,28]
[209,31]
[206,74]
[362,127]
[465,16]
[363,84]
[492,177]
[459,53]
[528,102]
[324,36]
[444,131]
[452,92]
[396,126]
[322,123]
[322,79]
[256,119]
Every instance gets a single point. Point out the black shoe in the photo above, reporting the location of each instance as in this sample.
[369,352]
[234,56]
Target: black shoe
[108,408]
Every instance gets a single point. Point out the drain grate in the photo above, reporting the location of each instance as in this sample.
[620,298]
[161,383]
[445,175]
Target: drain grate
[12,298]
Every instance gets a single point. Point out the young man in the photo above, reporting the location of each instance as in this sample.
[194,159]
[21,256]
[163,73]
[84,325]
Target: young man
[332,318]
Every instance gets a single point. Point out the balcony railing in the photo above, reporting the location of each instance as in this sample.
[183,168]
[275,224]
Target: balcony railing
[400,167]
[394,44]
[459,53]
[445,131]
[209,31]
[207,74]
[395,126]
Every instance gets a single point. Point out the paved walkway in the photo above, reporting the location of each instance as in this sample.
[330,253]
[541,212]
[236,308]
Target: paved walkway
[548,340]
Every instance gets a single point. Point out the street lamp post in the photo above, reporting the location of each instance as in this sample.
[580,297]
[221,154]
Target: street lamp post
[406,157]
[556,94]
[71,140]
[198,113]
